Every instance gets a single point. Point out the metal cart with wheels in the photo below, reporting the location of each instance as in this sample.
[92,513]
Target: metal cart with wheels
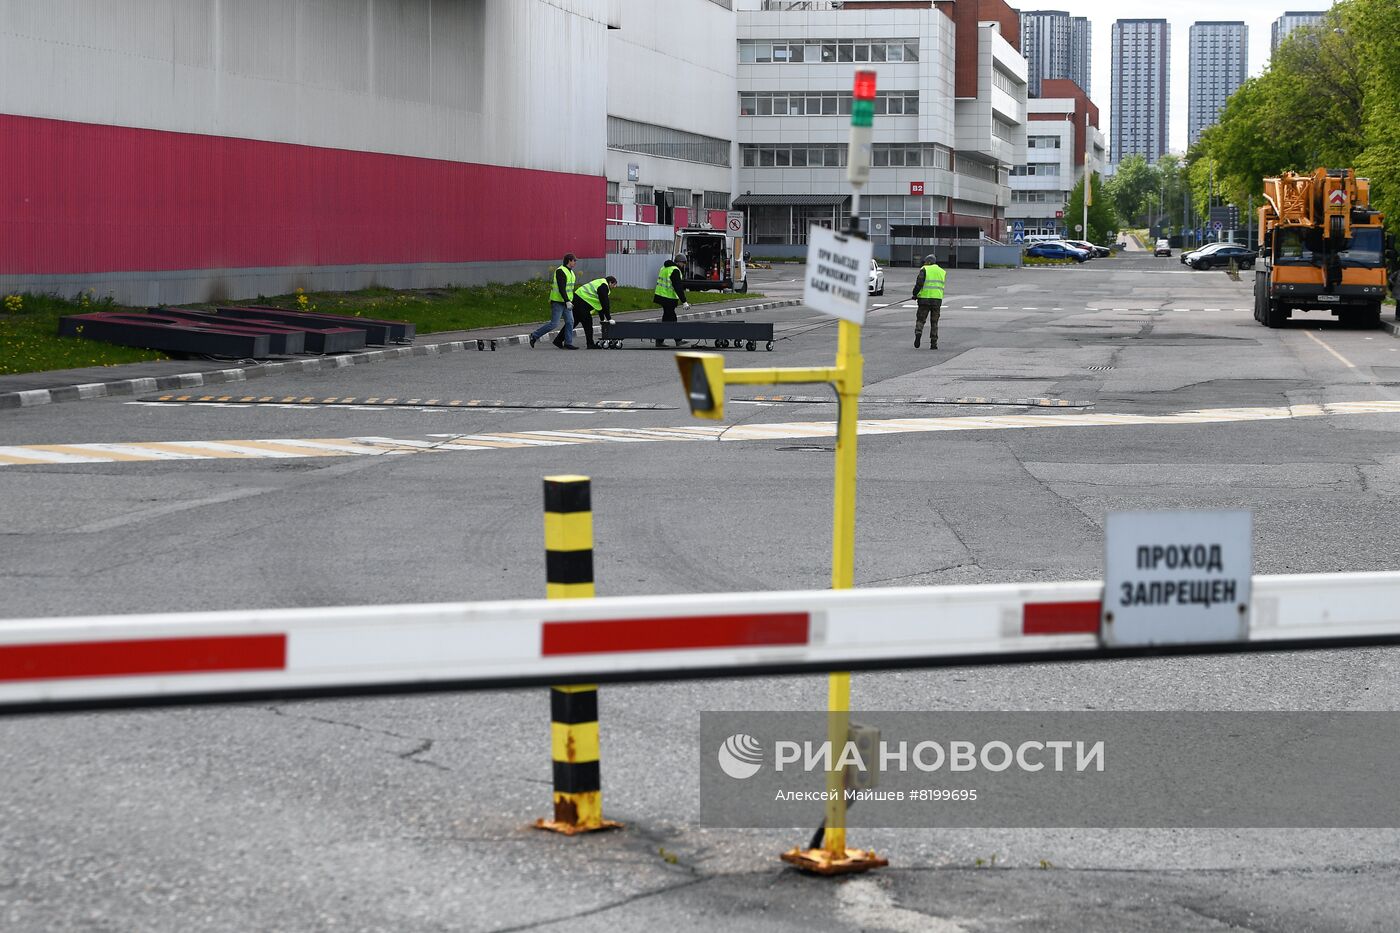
[747,335]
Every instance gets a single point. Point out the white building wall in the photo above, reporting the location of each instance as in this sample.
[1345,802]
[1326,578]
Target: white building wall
[674,64]
[1039,216]
[442,79]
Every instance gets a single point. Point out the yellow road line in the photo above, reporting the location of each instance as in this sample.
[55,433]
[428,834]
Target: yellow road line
[1319,341]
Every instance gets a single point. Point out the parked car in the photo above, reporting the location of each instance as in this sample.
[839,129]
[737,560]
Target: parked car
[1186,254]
[876,285]
[1163,248]
[1094,251]
[1056,251]
[1242,256]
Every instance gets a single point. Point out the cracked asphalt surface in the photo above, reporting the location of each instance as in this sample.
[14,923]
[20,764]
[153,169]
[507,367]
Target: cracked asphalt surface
[408,814]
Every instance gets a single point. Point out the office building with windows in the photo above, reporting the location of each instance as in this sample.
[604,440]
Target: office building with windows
[1219,64]
[1062,143]
[949,125]
[1288,22]
[1141,65]
[1055,45]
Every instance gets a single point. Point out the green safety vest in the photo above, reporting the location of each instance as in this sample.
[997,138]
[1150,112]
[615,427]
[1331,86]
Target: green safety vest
[569,279]
[589,293]
[663,283]
[934,277]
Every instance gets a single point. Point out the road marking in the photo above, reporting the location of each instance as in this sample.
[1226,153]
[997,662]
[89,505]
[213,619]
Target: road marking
[1317,340]
[922,400]
[1001,308]
[302,402]
[284,448]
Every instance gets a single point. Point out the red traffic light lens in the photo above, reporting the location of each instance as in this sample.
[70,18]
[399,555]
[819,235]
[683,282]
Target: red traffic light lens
[865,85]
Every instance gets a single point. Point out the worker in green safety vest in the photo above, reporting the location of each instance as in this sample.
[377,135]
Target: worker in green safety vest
[561,292]
[590,297]
[928,290]
[669,293]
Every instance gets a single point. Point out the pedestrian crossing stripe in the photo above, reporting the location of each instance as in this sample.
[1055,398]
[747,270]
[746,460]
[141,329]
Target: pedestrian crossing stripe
[284,448]
[922,400]
[605,404]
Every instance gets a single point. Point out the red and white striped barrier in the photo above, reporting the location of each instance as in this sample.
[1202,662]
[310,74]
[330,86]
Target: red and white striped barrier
[69,663]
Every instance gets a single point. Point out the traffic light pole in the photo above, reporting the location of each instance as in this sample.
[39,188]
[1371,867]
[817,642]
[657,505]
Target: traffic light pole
[704,377]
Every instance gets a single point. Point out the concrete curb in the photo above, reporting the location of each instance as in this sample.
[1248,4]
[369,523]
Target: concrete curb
[1392,327]
[75,393]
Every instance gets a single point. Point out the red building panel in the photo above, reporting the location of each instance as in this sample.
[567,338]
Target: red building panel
[86,198]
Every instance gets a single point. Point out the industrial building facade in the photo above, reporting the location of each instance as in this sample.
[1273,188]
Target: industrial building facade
[163,152]
[170,152]
[950,116]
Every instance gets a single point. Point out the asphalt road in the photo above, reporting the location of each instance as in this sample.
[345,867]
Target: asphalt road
[410,814]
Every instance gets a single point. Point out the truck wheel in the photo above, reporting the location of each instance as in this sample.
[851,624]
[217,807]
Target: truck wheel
[743,287]
[1274,313]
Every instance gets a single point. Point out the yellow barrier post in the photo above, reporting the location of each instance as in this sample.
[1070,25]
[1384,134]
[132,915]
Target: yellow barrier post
[573,710]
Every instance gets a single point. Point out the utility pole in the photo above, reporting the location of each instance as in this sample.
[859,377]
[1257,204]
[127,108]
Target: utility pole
[1088,180]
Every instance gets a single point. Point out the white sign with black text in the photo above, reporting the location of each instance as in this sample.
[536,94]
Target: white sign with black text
[1177,577]
[838,268]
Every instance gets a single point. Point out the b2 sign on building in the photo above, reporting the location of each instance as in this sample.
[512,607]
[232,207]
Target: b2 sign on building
[838,269]
[1177,577]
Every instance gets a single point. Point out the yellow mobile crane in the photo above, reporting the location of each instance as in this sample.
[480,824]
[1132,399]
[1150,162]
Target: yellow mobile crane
[1320,246]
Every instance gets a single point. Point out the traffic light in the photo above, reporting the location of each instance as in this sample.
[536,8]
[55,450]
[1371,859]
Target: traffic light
[702,376]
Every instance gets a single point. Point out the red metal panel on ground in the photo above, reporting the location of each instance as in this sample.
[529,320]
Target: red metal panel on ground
[1060,618]
[86,198]
[774,628]
[151,656]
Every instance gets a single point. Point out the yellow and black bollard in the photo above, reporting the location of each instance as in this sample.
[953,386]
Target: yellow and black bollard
[573,710]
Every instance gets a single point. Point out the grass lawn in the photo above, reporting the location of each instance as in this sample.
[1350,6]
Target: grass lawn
[29,340]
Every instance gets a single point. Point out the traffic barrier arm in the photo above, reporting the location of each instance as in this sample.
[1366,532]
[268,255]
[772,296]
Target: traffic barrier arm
[50,664]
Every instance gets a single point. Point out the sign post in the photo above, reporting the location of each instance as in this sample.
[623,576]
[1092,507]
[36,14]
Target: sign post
[837,267]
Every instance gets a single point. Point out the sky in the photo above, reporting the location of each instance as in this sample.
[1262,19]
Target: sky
[1259,15]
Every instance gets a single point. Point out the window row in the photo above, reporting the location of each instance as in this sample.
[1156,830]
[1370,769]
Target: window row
[1036,169]
[668,143]
[1042,142]
[1003,130]
[834,155]
[1007,83]
[822,103]
[975,169]
[1039,197]
[762,52]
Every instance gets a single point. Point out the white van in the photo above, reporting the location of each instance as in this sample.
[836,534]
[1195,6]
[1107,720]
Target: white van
[710,260]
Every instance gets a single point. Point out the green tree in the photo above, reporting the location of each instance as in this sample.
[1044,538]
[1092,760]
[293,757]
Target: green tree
[1330,97]
[1103,219]
[1130,187]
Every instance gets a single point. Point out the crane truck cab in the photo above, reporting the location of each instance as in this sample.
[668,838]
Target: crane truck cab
[710,260]
[1320,246]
